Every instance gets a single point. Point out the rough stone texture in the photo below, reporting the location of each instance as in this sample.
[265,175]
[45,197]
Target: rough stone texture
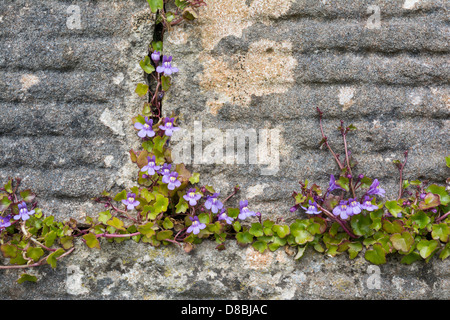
[129,271]
[244,64]
[67,96]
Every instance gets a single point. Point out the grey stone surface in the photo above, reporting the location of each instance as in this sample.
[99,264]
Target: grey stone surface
[267,66]
[67,97]
[130,271]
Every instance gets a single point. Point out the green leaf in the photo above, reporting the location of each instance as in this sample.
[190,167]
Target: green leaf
[26,277]
[35,253]
[141,89]
[354,248]
[121,196]
[157,46]
[167,223]
[52,258]
[447,161]
[4,203]
[147,229]
[233,212]
[104,216]
[181,4]
[343,182]
[237,226]
[393,207]
[8,186]
[361,224]
[256,229]
[116,223]
[410,258]
[66,242]
[91,241]
[421,219]
[259,245]
[439,190]
[195,178]
[163,235]
[445,253]
[9,250]
[244,237]
[377,255]
[402,241]
[146,65]
[160,204]
[426,247]
[203,218]
[430,201]
[440,232]
[155,5]
[50,238]
[300,252]
[395,226]
[27,195]
[281,230]
[165,83]
[182,206]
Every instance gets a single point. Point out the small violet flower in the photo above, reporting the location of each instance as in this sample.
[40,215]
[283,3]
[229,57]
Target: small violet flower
[354,207]
[213,204]
[172,180]
[156,56]
[145,130]
[166,66]
[5,222]
[169,127]
[333,186]
[196,225]
[192,197]
[312,208]
[375,189]
[223,216]
[165,169]
[24,214]
[367,204]
[151,166]
[130,201]
[245,212]
[342,210]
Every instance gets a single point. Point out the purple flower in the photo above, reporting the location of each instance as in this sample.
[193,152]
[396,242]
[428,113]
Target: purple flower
[312,208]
[245,212]
[24,214]
[172,180]
[213,204]
[342,210]
[223,216]
[146,129]
[333,185]
[192,196]
[168,127]
[294,208]
[166,66]
[367,204]
[165,170]
[196,225]
[151,166]
[5,222]
[354,207]
[375,189]
[156,56]
[130,201]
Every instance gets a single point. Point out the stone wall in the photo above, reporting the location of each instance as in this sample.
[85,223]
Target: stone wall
[68,70]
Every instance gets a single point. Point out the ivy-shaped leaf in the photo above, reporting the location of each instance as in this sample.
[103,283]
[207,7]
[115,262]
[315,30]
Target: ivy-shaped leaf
[91,241]
[52,258]
[116,223]
[155,5]
[26,278]
[244,237]
[393,207]
[259,245]
[35,253]
[146,65]
[377,255]
[440,232]
[426,247]
[402,241]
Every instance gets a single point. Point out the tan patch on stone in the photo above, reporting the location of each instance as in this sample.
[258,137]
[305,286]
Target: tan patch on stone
[345,97]
[266,68]
[28,80]
[256,260]
[222,18]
